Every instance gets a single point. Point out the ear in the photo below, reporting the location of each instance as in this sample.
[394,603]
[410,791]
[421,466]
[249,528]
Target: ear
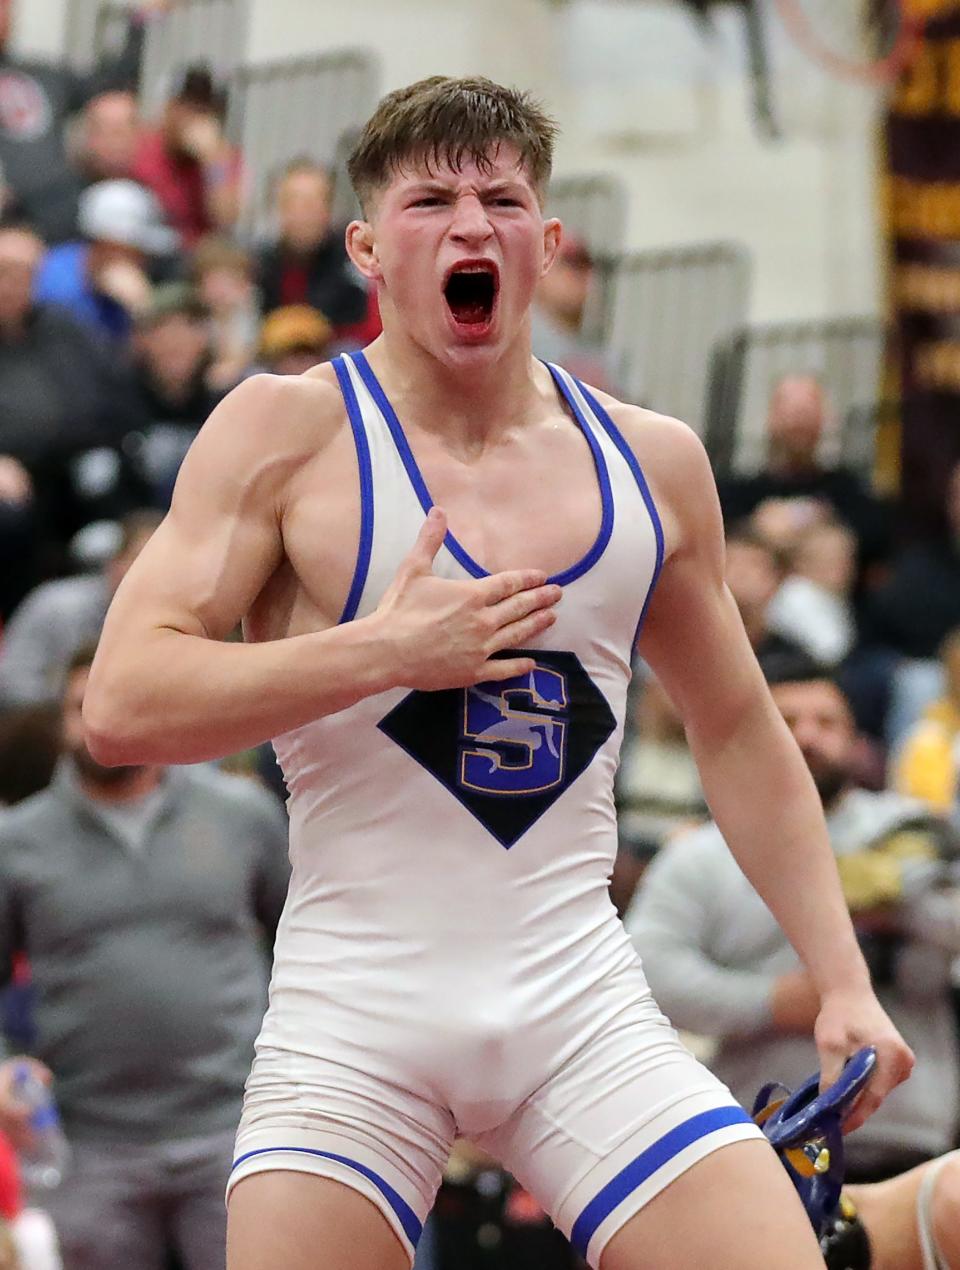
[552,234]
[362,249]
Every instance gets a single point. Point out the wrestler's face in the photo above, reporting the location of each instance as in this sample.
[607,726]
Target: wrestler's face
[457,254]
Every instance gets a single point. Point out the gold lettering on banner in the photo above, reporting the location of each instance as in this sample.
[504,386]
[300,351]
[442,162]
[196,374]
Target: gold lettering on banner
[923,209]
[937,365]
[930,84]
[928,288]
[923,9]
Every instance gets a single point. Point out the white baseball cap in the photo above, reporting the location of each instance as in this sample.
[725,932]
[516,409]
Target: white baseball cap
[125,212]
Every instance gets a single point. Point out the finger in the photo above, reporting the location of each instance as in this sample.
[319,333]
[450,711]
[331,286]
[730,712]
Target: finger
[863,1109]
[831,1065]
[524,602]
[504,668]
[420,557]
[499,586]
[519,633]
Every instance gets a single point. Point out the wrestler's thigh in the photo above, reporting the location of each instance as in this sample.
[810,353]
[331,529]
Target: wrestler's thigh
[735,1209]
[301,1221]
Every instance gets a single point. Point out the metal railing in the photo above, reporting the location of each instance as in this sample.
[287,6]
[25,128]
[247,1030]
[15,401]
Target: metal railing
[661,313]
[209,31]
[282,110]
[94,30]
[845,354]
[593,207]
[213,32]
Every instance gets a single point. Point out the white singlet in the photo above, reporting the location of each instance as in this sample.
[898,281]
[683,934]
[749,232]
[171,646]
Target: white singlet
[449,961]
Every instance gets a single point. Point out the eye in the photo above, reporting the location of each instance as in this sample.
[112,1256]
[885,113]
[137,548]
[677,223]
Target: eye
[429,200]
[506,201]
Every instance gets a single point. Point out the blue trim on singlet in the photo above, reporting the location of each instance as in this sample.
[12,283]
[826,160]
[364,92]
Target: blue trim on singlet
[616,436]
[645,1165]
[426,501]
[411,1224]
[365,545]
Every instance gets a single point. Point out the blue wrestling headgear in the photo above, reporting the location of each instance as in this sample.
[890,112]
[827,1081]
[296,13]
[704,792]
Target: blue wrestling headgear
[805,1130]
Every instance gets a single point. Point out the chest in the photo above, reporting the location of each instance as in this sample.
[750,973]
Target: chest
[533,501]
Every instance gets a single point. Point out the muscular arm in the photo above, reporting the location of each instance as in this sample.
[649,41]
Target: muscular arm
[754,777]
[166,687]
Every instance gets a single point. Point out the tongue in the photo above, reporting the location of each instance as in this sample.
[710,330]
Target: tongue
[469,312]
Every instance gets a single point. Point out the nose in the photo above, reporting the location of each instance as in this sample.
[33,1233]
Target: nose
[470,223]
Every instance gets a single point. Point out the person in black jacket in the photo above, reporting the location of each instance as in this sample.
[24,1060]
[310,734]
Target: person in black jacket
[307,264]
[63,395]
[794,482]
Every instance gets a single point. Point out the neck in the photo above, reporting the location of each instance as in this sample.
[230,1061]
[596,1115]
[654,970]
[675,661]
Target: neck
[470,405]
[134,785]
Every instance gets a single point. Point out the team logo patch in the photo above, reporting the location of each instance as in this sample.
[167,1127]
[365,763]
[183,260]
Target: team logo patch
[25,112]
[507,751]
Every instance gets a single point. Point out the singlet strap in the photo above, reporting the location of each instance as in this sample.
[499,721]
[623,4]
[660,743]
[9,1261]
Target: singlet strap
[933,1258]
[365,467]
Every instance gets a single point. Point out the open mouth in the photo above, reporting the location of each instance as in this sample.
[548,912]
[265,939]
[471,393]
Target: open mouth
[471,292]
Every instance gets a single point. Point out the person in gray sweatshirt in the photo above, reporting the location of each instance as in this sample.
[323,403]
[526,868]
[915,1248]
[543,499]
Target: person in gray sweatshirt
[718,964]
[147,899]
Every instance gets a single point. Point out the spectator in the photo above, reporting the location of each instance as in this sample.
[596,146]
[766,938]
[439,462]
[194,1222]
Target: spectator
[294,339]
[912,614]
[29,748]
[188,162]
[814,604]
[308,264]
[911,1222]
[928,765]
[718,964]
[18,533]
[104,280]
[108,137]
[801,489]
[143,894]
[223,276]
[173,353]
[36,101]
[62,616]
[658,787]
[754,573]
[558,311]
[63,393]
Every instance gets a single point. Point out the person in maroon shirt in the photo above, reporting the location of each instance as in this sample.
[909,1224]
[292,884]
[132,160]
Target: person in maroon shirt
[188,162]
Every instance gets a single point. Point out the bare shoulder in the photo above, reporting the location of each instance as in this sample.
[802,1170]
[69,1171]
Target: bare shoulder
[677,470]
[267,426]
[280,410]
[668,449]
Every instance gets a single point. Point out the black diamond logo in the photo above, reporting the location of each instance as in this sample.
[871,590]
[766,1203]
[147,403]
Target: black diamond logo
[507,751]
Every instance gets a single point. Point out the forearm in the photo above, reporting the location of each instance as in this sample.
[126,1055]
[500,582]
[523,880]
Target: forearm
[769,812]
[180,698]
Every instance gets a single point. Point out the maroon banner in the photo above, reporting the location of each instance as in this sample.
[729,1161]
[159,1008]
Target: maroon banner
[921,188]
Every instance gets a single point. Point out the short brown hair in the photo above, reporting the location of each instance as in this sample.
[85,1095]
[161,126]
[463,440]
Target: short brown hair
[441,120]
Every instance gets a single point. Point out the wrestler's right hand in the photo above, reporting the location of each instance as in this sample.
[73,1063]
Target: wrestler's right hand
[443,633]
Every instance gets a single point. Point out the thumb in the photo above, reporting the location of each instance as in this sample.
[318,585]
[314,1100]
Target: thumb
[429,541]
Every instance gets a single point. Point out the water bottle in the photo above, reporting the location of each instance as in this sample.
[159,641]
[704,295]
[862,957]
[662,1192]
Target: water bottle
[44,1163]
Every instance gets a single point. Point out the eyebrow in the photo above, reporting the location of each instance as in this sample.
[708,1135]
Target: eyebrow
[433,185]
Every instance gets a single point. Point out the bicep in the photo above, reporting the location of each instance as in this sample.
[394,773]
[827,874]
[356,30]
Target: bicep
[221,539]
[693,637]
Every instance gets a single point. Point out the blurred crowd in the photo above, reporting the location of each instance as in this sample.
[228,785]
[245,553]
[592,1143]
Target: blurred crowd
[137,905]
